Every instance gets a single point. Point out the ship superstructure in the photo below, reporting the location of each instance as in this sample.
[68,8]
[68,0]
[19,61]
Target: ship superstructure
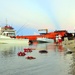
[7,31]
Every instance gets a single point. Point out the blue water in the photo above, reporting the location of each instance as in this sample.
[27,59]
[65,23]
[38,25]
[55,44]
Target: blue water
[55,62]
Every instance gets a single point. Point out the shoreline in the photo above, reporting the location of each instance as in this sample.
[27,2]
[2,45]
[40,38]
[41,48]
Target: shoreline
[69,44]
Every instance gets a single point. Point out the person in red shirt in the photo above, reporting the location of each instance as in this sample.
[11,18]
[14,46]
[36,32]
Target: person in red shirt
[59,39]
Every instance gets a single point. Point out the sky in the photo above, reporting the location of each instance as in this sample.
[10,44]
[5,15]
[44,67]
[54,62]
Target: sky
[27,16]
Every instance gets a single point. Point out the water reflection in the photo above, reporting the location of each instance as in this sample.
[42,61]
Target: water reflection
[49,46]
[57,54]
[8,50]
[55,62]
[8,53]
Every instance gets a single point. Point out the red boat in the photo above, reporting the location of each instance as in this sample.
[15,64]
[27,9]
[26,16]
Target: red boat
[49,35]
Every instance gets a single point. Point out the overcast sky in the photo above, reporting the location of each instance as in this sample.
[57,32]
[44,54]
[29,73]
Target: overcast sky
[27,16]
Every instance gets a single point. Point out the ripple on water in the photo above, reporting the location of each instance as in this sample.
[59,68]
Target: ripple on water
[55,62]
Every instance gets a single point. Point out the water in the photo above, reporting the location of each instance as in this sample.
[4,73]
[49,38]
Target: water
[55,62]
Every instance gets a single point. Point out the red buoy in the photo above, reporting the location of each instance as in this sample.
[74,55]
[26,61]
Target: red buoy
[21,54]
[27,50]
[30,57]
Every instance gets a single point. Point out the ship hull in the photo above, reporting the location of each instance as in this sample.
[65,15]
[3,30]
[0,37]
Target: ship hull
[13,41]
[45,40]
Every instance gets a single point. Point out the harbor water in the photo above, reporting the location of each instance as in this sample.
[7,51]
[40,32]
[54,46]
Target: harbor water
[55,62]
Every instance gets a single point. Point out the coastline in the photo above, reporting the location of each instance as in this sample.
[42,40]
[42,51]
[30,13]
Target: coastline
[69,44]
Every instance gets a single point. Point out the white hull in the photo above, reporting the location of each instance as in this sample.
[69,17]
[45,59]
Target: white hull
[13,41]
[45,40]
[8,40]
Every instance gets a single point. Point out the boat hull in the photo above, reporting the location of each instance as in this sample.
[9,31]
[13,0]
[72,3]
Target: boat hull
[13,41]
[45,40]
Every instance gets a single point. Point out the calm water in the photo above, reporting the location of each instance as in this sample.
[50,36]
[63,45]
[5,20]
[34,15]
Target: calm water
[55,62]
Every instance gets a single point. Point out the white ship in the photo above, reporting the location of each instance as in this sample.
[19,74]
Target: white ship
[8,36]
[44,40]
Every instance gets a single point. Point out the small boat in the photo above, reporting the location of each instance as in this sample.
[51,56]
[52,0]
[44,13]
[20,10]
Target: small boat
[44,40]
[8,36]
